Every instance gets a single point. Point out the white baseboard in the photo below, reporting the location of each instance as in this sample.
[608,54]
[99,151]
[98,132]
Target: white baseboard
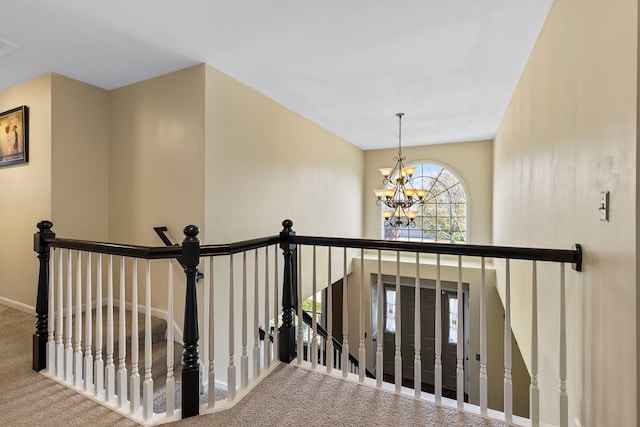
[18,305]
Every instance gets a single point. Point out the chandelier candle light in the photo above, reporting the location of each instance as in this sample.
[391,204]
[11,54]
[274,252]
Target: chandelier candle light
[400,199]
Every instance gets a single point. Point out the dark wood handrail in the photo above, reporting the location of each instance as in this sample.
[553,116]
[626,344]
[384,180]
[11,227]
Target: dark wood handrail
[145,252]
[160,252]
[234,248]
[573,256]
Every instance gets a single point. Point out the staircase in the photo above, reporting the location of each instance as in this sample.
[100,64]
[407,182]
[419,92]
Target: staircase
[158,356]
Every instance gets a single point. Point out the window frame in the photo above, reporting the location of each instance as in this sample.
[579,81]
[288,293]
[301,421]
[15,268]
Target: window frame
[461,182]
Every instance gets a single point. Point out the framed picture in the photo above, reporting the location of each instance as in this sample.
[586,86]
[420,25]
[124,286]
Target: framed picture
[14,136]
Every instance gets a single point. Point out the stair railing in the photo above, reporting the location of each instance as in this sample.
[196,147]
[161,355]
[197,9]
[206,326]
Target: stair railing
[63,344]
[80,282]
[397,264]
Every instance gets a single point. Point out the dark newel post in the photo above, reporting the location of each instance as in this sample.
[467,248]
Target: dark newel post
[289,290]
[41,246]
[191,368]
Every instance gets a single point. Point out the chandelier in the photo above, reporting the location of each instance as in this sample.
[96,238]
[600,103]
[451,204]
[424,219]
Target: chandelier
[400,199]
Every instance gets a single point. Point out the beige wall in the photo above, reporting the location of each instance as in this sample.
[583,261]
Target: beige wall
[79,156]
[266,163]
[156,157]
[569,133]
[26,194]
[472,161]
[65,180]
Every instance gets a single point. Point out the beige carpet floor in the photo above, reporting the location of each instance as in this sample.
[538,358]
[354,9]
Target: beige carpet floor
[30,399]
[290,396]
[294,396]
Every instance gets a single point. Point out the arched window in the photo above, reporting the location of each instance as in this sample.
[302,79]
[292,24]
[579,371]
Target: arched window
[443,217]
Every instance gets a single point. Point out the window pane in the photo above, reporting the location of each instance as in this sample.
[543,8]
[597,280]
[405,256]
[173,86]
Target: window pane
[390,323]
[443,216]
[453,320]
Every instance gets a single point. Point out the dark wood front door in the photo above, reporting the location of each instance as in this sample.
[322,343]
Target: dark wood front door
[427,339]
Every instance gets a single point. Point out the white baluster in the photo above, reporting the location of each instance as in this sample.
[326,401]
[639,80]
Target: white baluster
[77,355]
[314,323]
[256,318]
[99,363]
[361,348]
[231,370]
[437,370]
[147,389]
[212,369]
[329,314]
[276,338]
[170,383]
[51,341]
[483,342]
[460,339]
[508,386]
[59,320]
[398,334]
[122,338]
[380,327]
[88,357]
[244,358]
[417,343]
[345,318]
[204,336]
[300,340]
[564,398]
[68,349]
[110,370]
[134,397]
[534,392]
[267,346]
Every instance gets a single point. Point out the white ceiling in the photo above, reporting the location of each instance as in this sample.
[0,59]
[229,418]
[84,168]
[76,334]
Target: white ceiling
[347,65]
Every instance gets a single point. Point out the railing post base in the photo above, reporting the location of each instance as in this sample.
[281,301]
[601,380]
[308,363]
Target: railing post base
[287,341]
[39,352]
[190,392]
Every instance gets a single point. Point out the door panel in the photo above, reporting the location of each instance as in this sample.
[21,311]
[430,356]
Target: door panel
[427,340]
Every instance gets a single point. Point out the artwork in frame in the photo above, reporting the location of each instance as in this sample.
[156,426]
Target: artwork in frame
[14,136]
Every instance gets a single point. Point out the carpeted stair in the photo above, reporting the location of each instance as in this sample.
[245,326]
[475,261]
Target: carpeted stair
[158,356]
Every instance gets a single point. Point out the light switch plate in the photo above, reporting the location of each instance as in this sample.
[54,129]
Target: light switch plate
[604,206]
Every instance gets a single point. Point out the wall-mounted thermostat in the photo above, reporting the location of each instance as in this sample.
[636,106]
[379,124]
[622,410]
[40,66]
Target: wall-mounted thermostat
[604,206]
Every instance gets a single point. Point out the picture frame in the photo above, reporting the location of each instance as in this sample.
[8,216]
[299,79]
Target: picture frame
[14,136]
